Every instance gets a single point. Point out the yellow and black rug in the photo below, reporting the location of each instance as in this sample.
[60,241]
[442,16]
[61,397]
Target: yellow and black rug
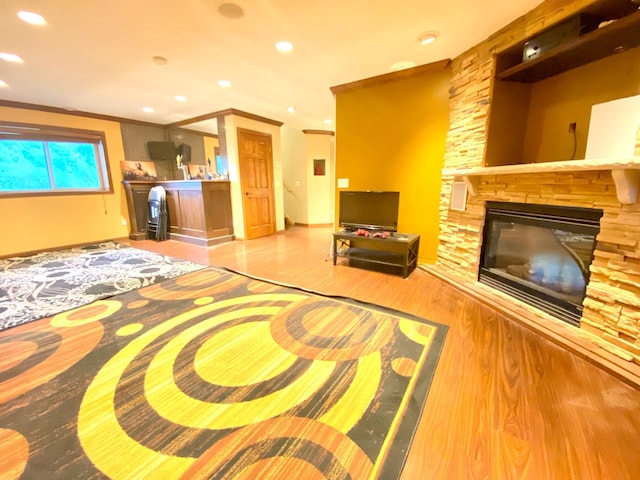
[214,375]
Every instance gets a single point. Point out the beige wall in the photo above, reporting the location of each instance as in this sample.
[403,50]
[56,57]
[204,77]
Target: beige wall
[294,173]
[234,122]
[308,198]
[34,223]
[320,188]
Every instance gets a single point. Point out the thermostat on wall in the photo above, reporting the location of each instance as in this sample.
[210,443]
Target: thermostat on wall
[343,183]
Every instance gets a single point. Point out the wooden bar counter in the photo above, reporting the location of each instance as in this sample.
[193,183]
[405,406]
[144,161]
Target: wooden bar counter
[199,210]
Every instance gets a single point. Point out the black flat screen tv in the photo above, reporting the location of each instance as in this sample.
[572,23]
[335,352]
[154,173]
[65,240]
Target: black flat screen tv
[162,150]
[370,210]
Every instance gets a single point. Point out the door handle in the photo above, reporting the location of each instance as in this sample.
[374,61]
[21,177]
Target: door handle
[246,193]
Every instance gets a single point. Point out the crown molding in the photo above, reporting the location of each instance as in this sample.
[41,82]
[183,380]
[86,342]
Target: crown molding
[76,113]
[391,77]
[319,132]
[112,118]
[223,113]
[189,130]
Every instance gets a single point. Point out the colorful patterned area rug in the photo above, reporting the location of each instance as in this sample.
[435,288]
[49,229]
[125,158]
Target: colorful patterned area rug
[214,375]
[47,283]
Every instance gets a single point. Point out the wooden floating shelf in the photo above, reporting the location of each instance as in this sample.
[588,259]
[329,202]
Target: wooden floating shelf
[624,171]
[616,37]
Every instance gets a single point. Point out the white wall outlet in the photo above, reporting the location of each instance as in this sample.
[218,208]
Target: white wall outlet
[124,222]
[297,183]
[343,183]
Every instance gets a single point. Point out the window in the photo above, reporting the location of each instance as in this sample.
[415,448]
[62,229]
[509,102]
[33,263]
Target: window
[37,159]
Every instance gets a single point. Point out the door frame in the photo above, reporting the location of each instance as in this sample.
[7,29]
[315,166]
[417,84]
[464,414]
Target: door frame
[269,137]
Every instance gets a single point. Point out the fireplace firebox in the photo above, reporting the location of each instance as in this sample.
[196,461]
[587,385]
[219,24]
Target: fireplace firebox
[540,254]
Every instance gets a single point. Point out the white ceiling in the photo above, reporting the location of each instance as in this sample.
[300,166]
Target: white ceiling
[96,55]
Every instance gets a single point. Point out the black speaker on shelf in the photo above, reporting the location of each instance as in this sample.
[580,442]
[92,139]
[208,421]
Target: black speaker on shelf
[184,151]
[559,34]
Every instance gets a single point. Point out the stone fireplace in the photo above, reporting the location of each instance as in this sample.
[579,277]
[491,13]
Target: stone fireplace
[611,306]
[485,117]
[540,254]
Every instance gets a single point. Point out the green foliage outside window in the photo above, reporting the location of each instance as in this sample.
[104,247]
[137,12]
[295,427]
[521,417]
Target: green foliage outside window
[37,165]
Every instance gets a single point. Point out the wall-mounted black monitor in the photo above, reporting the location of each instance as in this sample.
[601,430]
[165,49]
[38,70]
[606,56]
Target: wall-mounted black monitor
[184,151]
[162,150]
[371,210]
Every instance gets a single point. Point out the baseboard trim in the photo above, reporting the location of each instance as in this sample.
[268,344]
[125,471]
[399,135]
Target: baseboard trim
[579,342]
[202,242]
[313,225]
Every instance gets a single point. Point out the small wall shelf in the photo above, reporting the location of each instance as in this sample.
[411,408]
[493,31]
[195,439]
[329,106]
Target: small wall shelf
[625,173]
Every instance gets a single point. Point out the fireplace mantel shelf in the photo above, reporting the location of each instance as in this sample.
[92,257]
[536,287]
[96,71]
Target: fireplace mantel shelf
[625,173]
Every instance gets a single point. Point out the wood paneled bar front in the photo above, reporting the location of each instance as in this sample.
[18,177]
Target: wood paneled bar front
[199,210]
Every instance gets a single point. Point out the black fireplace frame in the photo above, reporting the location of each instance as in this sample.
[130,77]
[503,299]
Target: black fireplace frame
[574,219]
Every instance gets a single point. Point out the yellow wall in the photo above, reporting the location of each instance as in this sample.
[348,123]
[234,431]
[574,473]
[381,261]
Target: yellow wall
[210,143]
[33,223]
[392,137]
[568,97]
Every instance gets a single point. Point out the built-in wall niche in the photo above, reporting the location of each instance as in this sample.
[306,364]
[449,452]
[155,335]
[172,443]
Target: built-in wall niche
[533,103]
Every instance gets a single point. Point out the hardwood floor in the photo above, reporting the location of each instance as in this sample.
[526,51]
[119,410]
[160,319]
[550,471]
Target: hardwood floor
[504,404]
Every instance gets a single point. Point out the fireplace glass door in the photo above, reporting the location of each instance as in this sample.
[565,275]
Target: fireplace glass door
[540,255]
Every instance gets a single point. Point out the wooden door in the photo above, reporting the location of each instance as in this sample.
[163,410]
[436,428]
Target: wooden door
[256,180]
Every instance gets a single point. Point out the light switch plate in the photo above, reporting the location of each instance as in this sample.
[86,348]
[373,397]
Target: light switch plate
[343,183]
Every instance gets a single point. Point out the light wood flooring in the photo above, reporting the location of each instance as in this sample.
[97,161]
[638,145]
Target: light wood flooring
[504,404]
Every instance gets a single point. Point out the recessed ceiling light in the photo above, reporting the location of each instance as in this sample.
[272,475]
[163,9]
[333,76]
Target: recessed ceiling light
[428,37]
[291,109]
[224,83]
[148,109]
[3,84]
[230,10]
[180,98]
[328,121]
[402,65]
[284,46]
[158,60]
[10,57]
[32,18]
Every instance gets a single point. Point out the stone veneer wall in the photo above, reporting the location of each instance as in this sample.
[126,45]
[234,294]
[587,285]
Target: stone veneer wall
[612,306]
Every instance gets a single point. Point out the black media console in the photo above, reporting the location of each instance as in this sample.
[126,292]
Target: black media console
[398,253]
